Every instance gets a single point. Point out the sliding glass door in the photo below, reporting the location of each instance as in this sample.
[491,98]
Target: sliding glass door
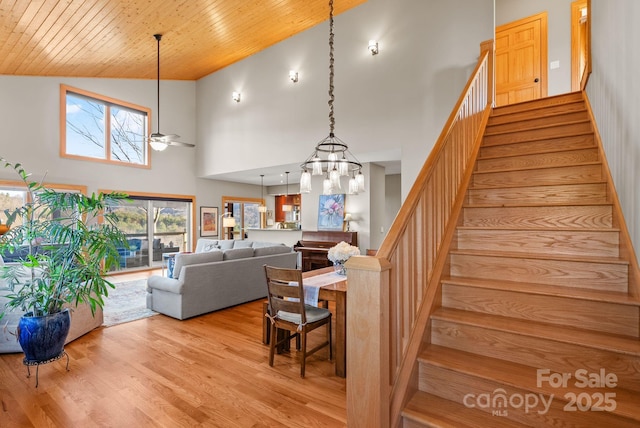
[154,227]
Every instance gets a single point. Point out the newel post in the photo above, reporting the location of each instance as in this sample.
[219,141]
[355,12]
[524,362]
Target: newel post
[368,384]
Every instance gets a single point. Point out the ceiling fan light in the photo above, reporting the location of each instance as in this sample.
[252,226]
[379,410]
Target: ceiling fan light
[158,146]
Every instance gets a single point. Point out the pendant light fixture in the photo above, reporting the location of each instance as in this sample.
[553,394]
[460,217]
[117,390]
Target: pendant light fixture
[338,161]
[287,207]
[262,208]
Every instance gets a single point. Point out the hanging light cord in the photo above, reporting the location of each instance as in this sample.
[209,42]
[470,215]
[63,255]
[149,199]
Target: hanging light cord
[158,37]
[332,121]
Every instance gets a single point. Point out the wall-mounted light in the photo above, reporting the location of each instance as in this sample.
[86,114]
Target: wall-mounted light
[293,76]
[236,97]
[373,47]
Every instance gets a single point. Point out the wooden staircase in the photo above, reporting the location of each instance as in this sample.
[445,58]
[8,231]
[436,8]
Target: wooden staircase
[536,290]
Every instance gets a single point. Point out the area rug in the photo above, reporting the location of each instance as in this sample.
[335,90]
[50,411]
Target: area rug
[127,302]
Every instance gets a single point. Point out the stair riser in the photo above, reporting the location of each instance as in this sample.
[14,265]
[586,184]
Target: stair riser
[540,134]
[537,104]
[544,160]
[577,142]
[537,352]
[564,273]
[573,107]
[564,194]
[612,318]
[469,390]
[570,243]
[534,121]
[539,177]
[590,216]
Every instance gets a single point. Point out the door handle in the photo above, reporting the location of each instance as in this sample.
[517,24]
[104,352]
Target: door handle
[536,80]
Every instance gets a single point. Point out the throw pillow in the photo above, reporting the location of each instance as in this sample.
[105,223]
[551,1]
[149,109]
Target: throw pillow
[187,259]
[242,243]
[205,242]
[237,253]
[226,244]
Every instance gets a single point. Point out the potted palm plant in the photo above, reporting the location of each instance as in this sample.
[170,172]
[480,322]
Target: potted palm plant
[63,244]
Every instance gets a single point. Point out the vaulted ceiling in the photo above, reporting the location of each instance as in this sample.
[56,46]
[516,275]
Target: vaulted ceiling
[114,38]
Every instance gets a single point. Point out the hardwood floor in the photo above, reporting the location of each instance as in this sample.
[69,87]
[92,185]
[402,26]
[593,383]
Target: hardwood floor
[209,371]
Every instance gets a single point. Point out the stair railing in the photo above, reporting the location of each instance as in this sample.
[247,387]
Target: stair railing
[391,295]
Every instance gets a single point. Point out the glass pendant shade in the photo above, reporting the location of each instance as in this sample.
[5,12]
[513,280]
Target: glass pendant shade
[262,207]
[332,157]
[305,182]
[317,165]
[326,186]
[334,178]
[360,181]
[343,167]
[353,186]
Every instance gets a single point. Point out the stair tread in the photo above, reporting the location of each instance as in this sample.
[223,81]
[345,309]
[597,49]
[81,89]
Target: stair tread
[546,290]
[547,151]
[523,377]
[525,185]
[539,103]
[554,125]
[534,167]
[432,410]
[541,112]
[572,335]
[531,205]
[542,229]
[538,256]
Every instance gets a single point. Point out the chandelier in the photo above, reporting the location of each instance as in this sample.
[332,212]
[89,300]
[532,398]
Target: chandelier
[331,157]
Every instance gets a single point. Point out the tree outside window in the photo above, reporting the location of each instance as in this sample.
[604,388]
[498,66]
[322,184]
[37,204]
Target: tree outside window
[101,128]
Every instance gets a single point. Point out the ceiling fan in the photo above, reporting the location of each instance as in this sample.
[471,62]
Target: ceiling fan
[157,140]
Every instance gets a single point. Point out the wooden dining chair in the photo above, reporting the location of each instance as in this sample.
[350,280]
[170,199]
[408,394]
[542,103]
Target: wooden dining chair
[288,311]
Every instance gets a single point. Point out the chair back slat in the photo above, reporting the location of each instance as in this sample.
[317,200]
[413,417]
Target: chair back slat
[283,285]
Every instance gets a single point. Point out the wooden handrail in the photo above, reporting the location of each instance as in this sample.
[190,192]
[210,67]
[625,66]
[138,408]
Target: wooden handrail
[415,250]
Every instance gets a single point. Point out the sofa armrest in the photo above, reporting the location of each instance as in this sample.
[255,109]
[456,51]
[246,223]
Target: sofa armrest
[166,284]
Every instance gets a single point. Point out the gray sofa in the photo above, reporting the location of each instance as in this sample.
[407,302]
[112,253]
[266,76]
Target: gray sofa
[218,275]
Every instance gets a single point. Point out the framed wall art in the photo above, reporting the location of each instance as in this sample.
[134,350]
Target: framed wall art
[208,221]
[331,212]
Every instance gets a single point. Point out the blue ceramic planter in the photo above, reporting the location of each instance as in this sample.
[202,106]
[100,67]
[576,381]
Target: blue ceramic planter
[42,338]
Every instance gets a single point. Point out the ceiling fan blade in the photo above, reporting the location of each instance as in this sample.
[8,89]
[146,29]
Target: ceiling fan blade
[180,143]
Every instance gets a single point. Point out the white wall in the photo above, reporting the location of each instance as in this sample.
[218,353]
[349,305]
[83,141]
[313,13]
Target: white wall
[559,34]
[30,123]
[614,91]
[389,106]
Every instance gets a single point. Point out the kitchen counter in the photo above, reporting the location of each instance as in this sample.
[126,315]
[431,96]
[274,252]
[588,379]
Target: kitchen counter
[286,236]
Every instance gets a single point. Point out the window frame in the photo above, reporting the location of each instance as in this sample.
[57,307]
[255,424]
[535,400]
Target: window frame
[108,101]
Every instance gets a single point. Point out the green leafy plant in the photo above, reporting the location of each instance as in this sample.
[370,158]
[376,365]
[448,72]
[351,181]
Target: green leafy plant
[65,243]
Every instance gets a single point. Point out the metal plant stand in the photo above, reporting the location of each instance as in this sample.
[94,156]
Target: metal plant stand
[36,363]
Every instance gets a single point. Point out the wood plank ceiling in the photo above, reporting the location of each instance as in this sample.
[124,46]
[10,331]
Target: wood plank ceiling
[114,38]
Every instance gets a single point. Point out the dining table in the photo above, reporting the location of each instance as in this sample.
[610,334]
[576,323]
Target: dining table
[333,288]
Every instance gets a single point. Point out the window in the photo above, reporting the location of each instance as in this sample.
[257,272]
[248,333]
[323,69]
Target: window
[13,195]
[99,128]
